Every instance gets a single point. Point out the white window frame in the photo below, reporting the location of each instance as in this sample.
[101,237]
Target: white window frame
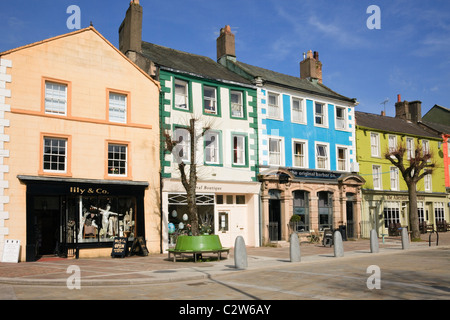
[375,144]
[184,145]
[305,153]
[54,152]
[392,143]
[277,106]
[214,147]
[122,161]
[323,115]
[394,178]
[377,177]
[239,104]
[343,121]
[301,111]
[439,211]
[410,152]
[347,158]
[235,149]
[280,143]
[116,108]
[326,157]
[428,183]
[179,97]
[55,99]
[213,101]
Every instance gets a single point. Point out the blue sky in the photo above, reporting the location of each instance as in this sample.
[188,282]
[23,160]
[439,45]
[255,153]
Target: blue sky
[409,55]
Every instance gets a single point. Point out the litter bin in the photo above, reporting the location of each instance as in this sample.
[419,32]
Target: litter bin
[327,238]
[343,231]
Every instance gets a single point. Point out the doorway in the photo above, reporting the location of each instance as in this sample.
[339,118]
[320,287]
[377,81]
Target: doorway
[46,225]
[275,220]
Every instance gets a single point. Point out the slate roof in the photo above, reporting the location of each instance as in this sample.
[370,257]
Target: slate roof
[189,63]
[391,124]
[441,128]
[295,83]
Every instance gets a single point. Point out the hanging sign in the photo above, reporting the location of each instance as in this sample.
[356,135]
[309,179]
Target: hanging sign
[11,251]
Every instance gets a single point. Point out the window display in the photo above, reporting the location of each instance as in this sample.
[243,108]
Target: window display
[102,218]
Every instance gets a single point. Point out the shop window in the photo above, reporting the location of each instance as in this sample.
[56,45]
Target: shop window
[104,218]
[391,214]
[301,209]
[325,210]
[439,211]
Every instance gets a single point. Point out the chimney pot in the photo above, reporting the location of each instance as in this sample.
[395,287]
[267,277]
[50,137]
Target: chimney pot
[399,98]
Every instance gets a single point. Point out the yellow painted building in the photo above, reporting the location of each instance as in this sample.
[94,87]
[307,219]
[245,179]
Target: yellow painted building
[385,199]
[79,156]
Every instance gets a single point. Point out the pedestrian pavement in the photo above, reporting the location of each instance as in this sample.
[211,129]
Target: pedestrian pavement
[157,268]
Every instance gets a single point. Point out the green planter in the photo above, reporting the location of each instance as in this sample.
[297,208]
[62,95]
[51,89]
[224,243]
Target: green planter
[198,243]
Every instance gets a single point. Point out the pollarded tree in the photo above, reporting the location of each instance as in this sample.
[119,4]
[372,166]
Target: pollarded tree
[414,169]
[187,140]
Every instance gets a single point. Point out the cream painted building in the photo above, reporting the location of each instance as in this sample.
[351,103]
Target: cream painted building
[79,148]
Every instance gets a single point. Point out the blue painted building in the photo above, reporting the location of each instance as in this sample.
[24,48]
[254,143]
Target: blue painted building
[307,153]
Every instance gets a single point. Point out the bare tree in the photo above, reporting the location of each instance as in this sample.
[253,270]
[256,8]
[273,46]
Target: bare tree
[413,170]
[188,172]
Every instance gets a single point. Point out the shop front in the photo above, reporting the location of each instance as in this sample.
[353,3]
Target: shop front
[380,210]
[65,216]
[226,209]
[318,200]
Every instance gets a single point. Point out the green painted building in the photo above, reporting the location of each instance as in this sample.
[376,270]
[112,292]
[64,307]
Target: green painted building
[385,194]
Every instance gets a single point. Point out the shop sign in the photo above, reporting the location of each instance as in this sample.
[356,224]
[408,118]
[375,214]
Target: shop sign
[119,248]
[11,251]
[311,174]
[85,191]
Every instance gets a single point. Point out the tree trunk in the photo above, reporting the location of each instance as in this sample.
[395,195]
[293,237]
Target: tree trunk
[413,214]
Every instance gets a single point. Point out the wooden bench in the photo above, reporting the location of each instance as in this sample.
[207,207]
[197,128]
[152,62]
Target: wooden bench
[176,252]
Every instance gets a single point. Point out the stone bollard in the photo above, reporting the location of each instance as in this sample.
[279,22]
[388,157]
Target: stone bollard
[338,246]
[295,248]
[240,253]
[374,247]
[405,239]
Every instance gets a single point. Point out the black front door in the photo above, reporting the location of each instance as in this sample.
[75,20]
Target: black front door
[350,221]
[275,220]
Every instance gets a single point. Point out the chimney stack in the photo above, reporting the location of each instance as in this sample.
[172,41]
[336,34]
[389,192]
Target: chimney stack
[311,67]
[410,111]
[226,44]
[130,31]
